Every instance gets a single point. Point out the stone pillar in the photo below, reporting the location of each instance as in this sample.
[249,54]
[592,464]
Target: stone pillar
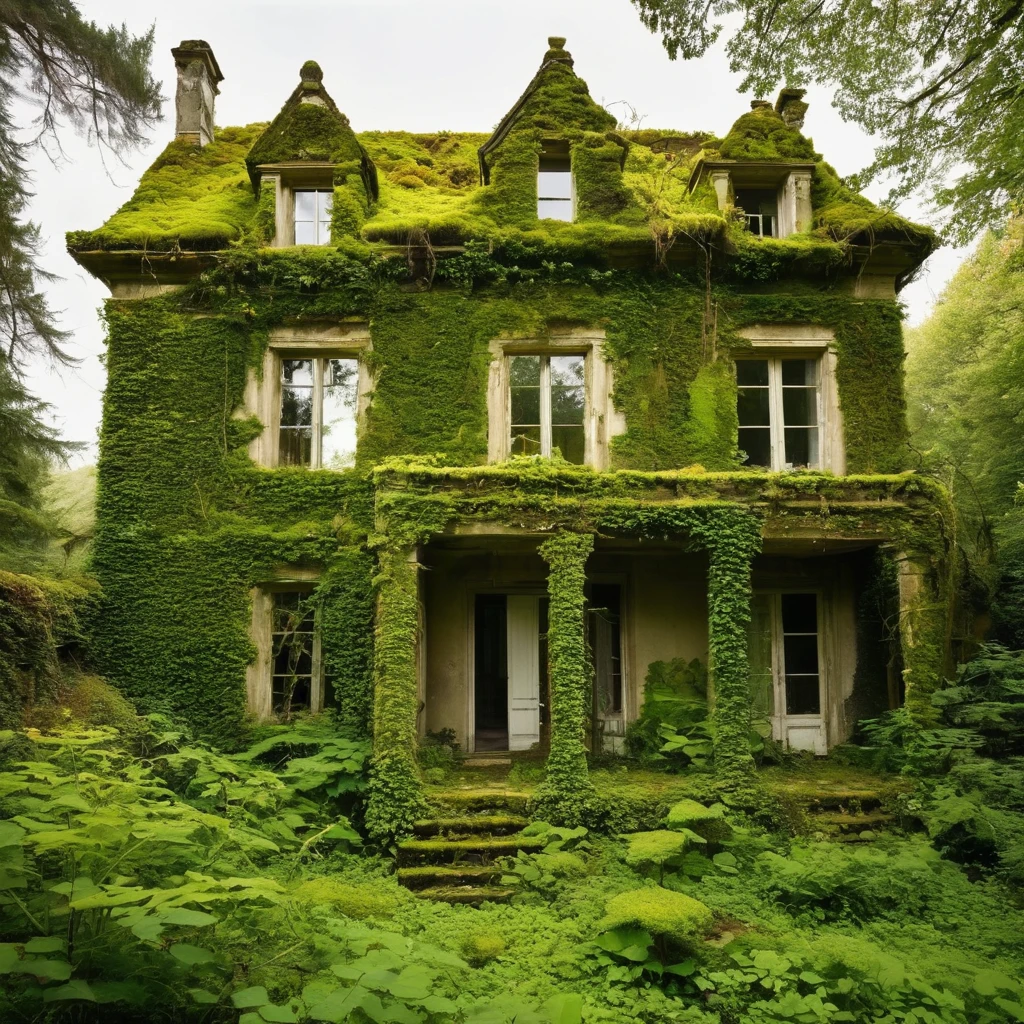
[732,544]
[567,795]
[924,636]
[395,798]
[720,179]
[800,183]
[198,80]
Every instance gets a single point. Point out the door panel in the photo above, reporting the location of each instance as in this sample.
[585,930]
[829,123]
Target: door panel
[523,632]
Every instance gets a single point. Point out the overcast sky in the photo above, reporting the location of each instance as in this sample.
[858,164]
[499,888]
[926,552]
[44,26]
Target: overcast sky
[389,64]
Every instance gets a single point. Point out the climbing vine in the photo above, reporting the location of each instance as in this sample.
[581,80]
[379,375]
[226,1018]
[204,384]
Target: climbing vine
[567,796]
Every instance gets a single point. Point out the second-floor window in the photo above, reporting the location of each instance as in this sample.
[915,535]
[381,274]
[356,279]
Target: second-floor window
[313,216]
[554,183]
[760,211]
[318,412]
[548,402]
[779,412]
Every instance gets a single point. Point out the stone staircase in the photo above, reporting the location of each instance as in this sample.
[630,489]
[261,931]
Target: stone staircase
[848,816]
[452,854]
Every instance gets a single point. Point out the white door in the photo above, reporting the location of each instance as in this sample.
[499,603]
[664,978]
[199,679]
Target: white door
[523,613]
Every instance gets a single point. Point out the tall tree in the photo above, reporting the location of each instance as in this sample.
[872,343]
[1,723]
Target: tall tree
[940,81]
[97,81]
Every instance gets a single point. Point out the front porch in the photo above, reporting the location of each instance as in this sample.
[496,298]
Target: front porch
[503,585]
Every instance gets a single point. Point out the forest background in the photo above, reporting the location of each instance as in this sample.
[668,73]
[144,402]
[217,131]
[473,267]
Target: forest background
[145,875]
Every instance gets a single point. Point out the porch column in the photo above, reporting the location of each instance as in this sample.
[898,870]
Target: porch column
[732,544]
[567,794]
[924,635]
[395,798]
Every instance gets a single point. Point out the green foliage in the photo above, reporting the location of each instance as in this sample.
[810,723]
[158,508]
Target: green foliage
[708,822]
[675,695]
[660,912]
[567,796]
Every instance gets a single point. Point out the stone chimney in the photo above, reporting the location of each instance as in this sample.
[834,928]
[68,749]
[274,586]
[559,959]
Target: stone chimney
[198,80]
[790,106]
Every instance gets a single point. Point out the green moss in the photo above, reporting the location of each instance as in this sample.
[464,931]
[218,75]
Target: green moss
[482,947]
[660,912]
[761,134]
[655,847]
[352,900]
[708,822]
[191,198]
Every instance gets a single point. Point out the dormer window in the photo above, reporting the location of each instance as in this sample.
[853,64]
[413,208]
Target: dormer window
[555,199]
[313,216]
[761,210]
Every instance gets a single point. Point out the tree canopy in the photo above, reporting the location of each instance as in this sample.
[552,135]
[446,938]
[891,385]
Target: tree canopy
[938,81]
[96,81]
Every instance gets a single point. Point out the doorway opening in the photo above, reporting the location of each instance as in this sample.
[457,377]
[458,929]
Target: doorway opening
[491,677]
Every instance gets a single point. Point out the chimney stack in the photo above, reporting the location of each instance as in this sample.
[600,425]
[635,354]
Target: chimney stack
[198,80]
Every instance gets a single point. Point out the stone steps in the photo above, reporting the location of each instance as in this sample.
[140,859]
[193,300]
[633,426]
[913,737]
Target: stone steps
[471,824]
[473,895]
[478,850]
[487,801]
[434,876]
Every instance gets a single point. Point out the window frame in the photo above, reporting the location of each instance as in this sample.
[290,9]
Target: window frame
[805,341]
[319,368]
[601,420]
[557,151]
[545,413]
[776,410]
[260,671]
[316,221]
[327,340]
[782,722]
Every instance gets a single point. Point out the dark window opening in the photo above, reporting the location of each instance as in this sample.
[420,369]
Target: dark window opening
[606,646]
[760,208]
[491,675]
[292,654]
[800,654]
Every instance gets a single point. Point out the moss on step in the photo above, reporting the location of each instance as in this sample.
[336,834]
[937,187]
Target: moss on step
[495,824]
[847,823]
[426,876]
[467,894]
[479,799]
[441,850]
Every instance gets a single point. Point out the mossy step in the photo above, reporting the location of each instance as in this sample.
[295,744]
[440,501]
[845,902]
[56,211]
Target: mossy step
[839,822]
[495,824]
[472,894]
[480,799]
[481,850]
[427,876]
[866,800]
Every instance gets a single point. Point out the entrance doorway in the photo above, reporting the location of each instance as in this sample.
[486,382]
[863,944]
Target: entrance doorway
[510,670]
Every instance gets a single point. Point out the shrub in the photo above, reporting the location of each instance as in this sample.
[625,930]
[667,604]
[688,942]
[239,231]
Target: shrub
[708,822]
[660,912]
[655,849]
[478,949]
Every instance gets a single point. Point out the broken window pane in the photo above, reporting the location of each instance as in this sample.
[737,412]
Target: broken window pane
[292,652]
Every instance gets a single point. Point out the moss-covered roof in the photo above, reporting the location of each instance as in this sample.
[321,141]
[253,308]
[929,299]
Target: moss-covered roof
[426,187]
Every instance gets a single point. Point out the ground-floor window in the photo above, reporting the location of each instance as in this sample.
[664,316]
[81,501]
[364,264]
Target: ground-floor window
[785,662]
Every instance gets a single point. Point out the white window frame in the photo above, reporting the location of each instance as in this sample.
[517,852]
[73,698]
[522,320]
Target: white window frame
[601,420]
[545,399]
[349,340]
[776,414]
[809,731]
[804,341]
[260,672]
[316,222]
[319,367]
[571,201]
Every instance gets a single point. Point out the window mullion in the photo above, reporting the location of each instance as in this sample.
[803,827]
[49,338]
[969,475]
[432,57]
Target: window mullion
[778,660]
[545,406]
[318,402]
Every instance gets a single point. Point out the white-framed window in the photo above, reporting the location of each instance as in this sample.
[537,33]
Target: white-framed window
[555,193]
[785,657]
[547,400]
[779,409]
[313,216]
[318,411]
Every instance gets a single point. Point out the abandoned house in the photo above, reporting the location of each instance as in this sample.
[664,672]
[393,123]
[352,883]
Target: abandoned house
[482,432]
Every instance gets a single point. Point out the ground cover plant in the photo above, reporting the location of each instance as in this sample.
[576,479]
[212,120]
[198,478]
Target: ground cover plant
[145,875]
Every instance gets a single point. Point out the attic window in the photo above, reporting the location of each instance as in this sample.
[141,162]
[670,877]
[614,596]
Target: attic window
[555,199]
[313,216]
[760,207]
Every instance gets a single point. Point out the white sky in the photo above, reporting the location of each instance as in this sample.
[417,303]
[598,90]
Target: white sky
[389,64]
